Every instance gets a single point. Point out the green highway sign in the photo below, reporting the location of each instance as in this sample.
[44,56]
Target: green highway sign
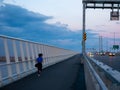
[115,47]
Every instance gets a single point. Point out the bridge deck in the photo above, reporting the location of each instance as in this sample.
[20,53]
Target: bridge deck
[66,75]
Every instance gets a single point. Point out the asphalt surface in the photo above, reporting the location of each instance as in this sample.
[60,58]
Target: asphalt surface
[66,75]
[112,61]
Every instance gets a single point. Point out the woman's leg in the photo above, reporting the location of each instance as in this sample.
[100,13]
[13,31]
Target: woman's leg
[41,67]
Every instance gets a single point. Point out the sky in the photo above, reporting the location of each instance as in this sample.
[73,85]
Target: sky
[57,22]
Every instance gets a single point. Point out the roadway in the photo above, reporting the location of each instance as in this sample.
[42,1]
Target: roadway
[66,75]
[113,61]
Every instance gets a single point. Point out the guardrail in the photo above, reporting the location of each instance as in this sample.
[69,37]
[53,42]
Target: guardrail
[18,57]
[93,80]
[110,76]
[104,77]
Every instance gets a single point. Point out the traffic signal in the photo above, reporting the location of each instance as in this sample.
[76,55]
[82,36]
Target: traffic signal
[84,37]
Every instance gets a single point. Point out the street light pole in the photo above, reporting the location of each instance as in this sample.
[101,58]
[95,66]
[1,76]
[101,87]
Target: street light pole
[83,41]
[114,38]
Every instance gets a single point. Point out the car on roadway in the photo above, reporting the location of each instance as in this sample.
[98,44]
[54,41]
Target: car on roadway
[111,54]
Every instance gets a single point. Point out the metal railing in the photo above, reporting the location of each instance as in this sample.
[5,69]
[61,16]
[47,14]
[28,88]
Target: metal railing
[103,76]
[93,80]
[18,57]
[110,76]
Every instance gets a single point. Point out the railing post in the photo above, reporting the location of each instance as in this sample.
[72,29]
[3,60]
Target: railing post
[0,78]
[16,58]
[28,55]
[36,52]
[47,58]
[42,51]
[23,57]
[8,59]
[45,55]
[33,56]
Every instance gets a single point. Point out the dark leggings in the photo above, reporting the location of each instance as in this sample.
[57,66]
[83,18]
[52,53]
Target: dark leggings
[39,67]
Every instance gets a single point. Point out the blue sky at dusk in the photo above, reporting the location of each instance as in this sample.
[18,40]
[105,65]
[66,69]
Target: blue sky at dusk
[56,22]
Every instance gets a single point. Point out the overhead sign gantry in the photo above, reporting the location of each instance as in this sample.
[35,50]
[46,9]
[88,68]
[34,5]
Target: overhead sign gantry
[114,5]
[102,4]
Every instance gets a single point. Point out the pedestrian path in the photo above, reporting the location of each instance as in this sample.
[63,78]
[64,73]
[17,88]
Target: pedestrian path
[66,75]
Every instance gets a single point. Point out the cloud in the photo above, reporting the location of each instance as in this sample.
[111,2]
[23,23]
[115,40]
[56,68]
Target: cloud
[67,42]
[1,3]
[21,23]
[15,19]
[16,16]
[117,22]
